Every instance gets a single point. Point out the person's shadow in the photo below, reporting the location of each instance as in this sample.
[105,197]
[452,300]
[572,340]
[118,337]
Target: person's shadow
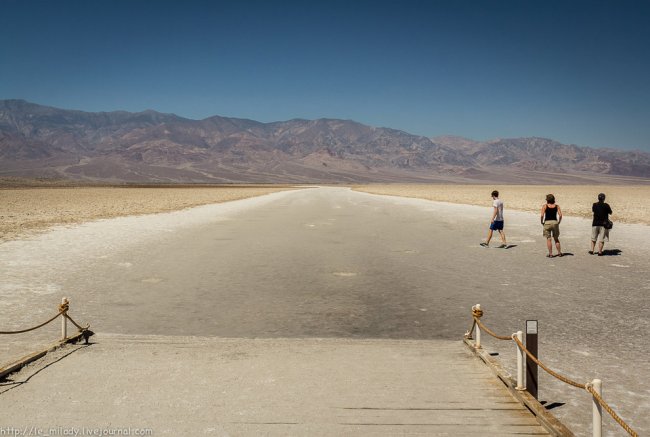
[612,252]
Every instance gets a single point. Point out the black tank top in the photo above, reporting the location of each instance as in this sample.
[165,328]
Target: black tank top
[550,213]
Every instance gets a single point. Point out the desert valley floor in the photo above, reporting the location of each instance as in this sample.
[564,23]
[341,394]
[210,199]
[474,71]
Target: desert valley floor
[333,262]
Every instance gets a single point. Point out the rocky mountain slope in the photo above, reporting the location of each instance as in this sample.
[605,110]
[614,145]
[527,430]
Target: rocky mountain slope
[150,146]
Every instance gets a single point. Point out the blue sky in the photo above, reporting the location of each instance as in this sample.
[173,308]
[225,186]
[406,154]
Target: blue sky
[574,71]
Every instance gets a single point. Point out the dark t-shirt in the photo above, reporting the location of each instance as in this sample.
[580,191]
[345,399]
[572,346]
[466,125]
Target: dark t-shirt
[550,213]
[601,211]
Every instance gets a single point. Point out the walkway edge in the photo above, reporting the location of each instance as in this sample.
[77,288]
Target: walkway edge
[546,419]
[22,362]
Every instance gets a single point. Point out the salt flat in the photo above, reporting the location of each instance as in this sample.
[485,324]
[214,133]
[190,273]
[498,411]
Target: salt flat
[334,263]
[26,210]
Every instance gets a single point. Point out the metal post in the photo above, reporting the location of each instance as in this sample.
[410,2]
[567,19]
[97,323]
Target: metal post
[531,366]
[64,321]
[521,363]
[597,420]
[478,329]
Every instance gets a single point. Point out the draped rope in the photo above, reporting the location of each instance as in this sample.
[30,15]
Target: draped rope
[477,313]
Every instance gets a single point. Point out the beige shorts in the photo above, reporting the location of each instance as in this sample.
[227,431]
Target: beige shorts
[551,228]
[599,234]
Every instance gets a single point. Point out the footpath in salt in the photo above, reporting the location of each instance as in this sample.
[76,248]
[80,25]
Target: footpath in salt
[335,264]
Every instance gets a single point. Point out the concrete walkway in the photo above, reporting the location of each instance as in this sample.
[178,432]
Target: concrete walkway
[214,386]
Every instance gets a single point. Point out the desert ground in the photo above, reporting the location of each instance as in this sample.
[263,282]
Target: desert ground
[28,207]
[26,210]
[630,204]
[335,263]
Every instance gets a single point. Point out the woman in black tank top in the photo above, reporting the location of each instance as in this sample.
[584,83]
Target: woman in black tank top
[551,217]
[550,213]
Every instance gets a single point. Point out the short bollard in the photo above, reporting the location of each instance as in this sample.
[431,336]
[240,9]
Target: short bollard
[531,366]
[597,385]
[521,363]
[478,328]
[64,321]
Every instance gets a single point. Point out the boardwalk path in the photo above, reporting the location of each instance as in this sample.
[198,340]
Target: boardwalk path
[339,264]
[298,387]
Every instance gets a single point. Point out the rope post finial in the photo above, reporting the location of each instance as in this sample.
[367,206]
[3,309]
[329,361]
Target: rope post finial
[597,420]
[63,309]
[477,313]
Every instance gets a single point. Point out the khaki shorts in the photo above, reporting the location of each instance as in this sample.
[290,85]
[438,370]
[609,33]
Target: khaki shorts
[551,228]
[599,234]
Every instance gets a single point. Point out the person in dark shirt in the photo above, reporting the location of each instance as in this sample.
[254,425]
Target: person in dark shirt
[550,218]
[599,234]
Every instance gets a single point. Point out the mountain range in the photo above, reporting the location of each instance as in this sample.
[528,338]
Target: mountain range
[115,147]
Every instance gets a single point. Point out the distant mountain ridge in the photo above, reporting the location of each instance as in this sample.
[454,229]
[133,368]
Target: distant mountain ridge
[150,146]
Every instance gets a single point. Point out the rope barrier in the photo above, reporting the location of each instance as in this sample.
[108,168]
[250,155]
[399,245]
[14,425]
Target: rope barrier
[35,327]
[81,328]
[468,334]
[477,313]
[485,328]
[611,412]
[63,312]
[549,371]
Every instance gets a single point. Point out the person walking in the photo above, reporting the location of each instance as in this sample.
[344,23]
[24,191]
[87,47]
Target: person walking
[496,222]
[551,218]
[599,231]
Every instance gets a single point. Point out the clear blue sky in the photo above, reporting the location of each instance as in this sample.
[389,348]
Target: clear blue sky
[574,71]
